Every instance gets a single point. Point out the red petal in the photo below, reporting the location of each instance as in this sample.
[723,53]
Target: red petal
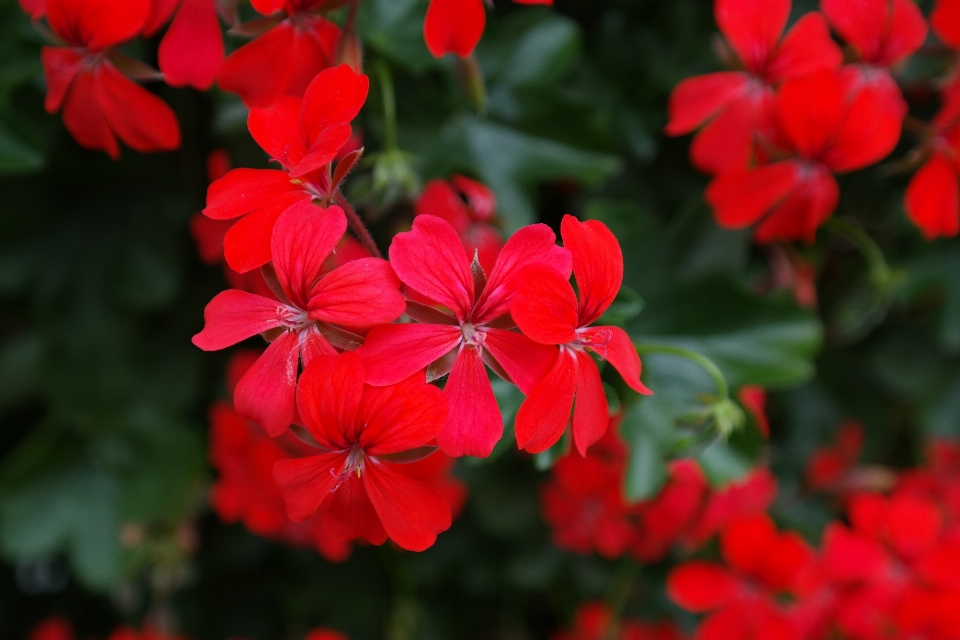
[908,32]
[304,236]
[325,148]
[933,198]
[267,7]
[883,32]
[60,66]
[915,525]
[394,352]
[454,26]
[192,49]
[315,43]
[402,416]
[945,20]
[139,118]
[313,345]
[533,244]
[328,399]
[869,132]
[812,111]
[97,24]
[696,100]
[233,316]
[260,70]
[807,207]
[439,199]
[361,293]
[525,361]
[591,414]
[277,130]
[34,8]
[84,118]
[544,305]
[754,399]
[702,586]
[247,244]
[335,96]
[620,352]
[747,543]
[741,198]
[597,265]
[726,143]
[266,392]
[850,557]
[412,513]
[307,482]
[430,259]
[243,190]
[752,27]
[475,424]
[482,201]
[543,416]
[807,48]
[160,12]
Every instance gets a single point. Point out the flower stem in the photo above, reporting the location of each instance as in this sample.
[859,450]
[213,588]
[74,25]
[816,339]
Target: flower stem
[880,273]
[389,106]
[705,363]
[356,224]
[619,593]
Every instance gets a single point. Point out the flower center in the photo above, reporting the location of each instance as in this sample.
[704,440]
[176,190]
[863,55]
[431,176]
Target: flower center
[354,464]
[597,341]
[291,318]
[473,336]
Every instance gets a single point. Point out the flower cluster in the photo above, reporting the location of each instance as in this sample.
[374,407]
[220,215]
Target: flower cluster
[775,133]
[595,621]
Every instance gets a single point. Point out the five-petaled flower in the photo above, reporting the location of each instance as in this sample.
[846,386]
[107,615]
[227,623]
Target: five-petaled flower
[547,310]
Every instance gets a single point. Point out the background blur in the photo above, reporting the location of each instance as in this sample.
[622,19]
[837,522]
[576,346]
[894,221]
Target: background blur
[103,400]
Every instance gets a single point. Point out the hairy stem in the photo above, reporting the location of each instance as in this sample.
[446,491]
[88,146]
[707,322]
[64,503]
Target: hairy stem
[356,225]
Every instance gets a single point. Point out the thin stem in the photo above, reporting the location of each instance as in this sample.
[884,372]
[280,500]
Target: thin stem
[876,262]
[389,106]
[356,224]
[723,390]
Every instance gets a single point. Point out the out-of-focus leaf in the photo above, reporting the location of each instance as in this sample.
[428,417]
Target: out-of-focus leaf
[646,470]
[16,155]
[530,47]
[21,366]
[395,29]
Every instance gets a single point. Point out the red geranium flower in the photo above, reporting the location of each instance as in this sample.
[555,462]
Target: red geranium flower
[945,20]
[740,596]
[304,137]
[473,331]
[99,103]
[733,106]
[469,206]
[34,8]
[192,48]
[363,434]
[883,33]
[52,628]
[826,130]
[754,400]
[547,310]
[286,58]
[932,200]
[360,294]
[595,621]
[672,513]
[828,466]
[325,634]
[749,496]
[455,26]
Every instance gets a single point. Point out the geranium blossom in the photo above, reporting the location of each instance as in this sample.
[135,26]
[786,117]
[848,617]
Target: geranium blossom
[468,326]
[945,20]
[547,310]
[363,436]
[99,103]
[734,107]
[313,308]
[192,48]
[455,26]
[304,137]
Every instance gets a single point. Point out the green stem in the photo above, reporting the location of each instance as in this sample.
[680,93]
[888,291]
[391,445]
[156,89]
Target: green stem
[723,390]
[619,593]
[871,252]
[389,106]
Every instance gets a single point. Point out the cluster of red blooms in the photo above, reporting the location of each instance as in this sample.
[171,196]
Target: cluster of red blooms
[889,570]
[595,621]
[776,131]
[59,628]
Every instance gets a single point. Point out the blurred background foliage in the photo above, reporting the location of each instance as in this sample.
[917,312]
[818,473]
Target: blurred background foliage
[103,399]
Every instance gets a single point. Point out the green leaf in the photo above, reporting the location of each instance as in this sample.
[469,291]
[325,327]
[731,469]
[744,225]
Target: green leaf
[646,470]
[16,155]
[395,29]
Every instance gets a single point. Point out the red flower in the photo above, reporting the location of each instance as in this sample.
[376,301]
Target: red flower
[740,596]
[754,400]
[671,514]
[469,207]
[34,8]
[828,466]
[304,137]
[945,20]
[455,26]
[472,332]
[99,103]
[325,634]
[883,33]
[732,106]
[286,58]
[595,621]
[52,628]
[192,48]
[363,435]
[312,308]
[148,633]
[826,130]
[932,200]
[747,497]
[547,310]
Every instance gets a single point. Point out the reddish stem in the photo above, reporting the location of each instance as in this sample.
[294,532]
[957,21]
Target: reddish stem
[356,224]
